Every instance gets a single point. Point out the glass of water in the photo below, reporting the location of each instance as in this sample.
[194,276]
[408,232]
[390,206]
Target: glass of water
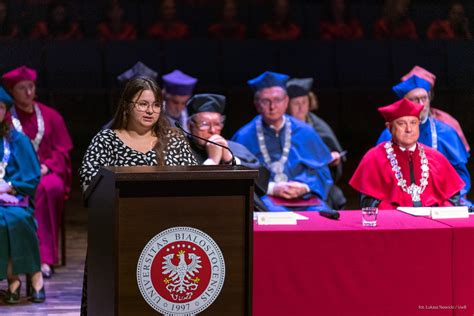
[369,216]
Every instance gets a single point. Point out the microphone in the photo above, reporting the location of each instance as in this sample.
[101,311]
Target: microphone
[178,125]
[331,214]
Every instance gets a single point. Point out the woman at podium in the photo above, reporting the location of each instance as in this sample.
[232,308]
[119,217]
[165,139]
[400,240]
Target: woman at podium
[139,136]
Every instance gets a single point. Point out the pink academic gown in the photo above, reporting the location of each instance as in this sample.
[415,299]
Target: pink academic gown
[55,186]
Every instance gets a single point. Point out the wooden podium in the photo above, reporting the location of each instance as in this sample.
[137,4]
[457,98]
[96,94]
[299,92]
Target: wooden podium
[128,206]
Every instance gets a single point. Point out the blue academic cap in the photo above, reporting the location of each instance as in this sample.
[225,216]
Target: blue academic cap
[268,79]
[5,97]
[137,70]
[411,83]
[178,83]
[206,102]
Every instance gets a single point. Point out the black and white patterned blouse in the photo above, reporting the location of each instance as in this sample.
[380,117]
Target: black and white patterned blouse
[107,149]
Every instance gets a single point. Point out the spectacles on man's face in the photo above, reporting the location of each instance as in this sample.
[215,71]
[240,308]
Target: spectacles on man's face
[142,106]
[206,125]
[419,100]
[268,102]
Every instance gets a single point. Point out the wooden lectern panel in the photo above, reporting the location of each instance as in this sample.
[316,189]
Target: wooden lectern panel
[145,202]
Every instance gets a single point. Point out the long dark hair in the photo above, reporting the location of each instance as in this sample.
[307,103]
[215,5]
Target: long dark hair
[161,129]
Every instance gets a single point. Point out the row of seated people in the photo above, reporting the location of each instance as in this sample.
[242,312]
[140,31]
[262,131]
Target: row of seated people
[35,180]
[298,161]
[336,22]
[293,152]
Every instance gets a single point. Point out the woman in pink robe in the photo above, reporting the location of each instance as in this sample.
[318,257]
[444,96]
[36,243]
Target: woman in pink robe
[48,133]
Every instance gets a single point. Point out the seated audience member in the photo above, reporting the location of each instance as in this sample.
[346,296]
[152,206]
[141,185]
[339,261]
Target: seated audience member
[139,136]
[114,26]
[338,23]
[302,100]
[438,135]
[19,176]
[280,26]
[206,120]
[456,26]
[50,137]
[178,87]
[395,22]
[58,24]
[403,171]
[8,29]
[168,26]
[228,27]
[295,155]
[435,112]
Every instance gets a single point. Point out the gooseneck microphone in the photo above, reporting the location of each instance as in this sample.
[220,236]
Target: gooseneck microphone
[328,213]
[178,125]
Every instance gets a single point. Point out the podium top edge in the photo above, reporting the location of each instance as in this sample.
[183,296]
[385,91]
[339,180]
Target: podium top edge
[200,172]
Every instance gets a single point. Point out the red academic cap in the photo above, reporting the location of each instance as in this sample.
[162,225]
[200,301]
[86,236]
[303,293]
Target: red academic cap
[422,73]
[403,107]
[11,78]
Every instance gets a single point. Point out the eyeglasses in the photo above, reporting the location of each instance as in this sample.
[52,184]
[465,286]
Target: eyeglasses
[205,125]
[420,100]
[142,106]
[268,102]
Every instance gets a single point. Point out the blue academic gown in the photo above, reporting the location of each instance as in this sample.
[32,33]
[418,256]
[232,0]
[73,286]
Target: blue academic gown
[449,144]
[308,158]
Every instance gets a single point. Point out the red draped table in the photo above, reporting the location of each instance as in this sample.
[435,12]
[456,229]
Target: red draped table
[324,267]
[463,265]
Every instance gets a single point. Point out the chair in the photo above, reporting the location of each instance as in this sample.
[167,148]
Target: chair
[430,55]
[197,57]
[14,53]
[121,55]
[363,64]
[460,64]
[243,60]
[308,58]
[73,65]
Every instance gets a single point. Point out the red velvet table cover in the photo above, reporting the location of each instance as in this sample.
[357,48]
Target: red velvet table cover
[320,266]
[463,264]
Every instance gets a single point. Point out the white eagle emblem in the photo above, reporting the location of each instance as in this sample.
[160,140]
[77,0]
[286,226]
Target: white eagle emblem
[180,276]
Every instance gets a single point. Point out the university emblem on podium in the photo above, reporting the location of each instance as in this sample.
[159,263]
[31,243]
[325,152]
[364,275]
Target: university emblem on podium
[180,271]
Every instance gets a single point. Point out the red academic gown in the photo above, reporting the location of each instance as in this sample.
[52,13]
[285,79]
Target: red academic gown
[441,29]
[332,31]
[407,30]
[178,30]
[374,177]
[54,187]
[127,33]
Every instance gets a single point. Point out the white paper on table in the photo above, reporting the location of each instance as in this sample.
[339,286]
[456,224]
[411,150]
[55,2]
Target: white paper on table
[278,218]
[449,212]
[417,211]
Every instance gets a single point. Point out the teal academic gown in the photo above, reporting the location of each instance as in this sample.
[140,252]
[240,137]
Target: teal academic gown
[18,239]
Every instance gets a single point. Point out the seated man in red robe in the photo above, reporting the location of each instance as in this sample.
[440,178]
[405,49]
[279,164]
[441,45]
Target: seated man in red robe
[403,172]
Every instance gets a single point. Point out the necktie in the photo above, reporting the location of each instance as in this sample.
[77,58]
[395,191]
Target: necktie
[412,177]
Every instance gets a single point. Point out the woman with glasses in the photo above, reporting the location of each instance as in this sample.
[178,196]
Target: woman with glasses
[139,136]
